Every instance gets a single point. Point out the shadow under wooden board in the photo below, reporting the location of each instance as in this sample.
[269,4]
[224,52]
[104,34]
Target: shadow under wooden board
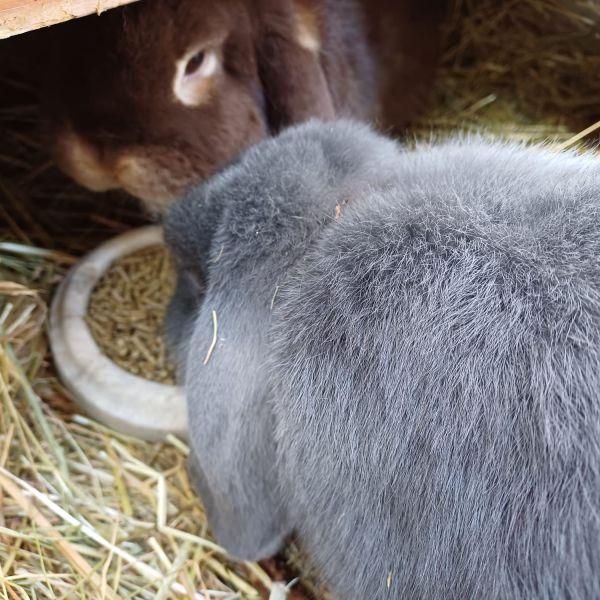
[20,16]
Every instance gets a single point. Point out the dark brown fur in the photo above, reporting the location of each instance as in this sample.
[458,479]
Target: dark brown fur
[110,111]
[405,37]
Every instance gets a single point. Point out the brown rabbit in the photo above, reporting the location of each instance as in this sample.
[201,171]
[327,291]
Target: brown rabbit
[162,93]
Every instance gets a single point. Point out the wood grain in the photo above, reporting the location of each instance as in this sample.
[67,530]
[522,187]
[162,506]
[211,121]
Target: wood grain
[19,16]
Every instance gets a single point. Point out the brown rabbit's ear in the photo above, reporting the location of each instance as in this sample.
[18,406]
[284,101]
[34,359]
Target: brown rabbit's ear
[287,47]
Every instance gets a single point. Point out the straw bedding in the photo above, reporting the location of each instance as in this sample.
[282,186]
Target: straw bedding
[87,513]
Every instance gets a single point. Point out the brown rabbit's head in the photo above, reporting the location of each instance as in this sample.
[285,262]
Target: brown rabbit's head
[162,93]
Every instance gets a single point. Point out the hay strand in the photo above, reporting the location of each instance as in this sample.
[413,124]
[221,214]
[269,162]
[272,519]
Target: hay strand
[213,342]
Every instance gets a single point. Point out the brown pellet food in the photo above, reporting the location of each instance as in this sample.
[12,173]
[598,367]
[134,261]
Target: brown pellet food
[126,311]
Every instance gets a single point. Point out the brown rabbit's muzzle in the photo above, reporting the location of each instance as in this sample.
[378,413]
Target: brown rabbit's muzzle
[155,175]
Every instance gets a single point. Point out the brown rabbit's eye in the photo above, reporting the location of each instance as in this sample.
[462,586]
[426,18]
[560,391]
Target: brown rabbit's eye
[194,63]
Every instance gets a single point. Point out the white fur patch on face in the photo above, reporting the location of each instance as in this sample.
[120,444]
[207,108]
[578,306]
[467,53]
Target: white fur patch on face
[307,39]
[193,77]
[307,28]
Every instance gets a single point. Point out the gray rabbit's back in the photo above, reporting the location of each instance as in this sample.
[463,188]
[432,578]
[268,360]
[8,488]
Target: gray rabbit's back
[407,363]
[437,359]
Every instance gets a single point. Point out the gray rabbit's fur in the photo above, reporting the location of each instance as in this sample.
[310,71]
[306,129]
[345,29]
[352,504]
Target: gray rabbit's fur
[408,361]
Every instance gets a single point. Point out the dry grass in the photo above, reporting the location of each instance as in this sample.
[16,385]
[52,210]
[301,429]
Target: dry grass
[519,69]
[87,513]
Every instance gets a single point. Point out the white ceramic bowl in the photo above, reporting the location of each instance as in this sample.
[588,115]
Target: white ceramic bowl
[105,391]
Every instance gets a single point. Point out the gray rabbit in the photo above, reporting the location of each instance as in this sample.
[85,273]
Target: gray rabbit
[407,361]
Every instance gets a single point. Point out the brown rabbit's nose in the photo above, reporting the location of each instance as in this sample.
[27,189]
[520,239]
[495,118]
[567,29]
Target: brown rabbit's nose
[146,178]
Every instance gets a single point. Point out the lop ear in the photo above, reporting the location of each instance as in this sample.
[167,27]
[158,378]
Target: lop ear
[287,48]
[231,429]
[233,454]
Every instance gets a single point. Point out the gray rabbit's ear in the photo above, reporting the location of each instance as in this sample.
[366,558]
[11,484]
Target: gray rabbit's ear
[233,459]
[189,226]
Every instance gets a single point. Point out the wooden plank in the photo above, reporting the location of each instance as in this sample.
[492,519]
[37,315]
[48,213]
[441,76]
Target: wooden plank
[19,16]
